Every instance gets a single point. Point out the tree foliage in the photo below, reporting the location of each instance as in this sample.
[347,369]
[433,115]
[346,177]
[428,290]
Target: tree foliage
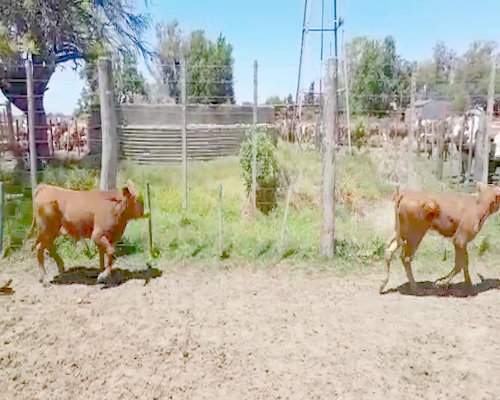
[462,80]
[56,31]
[128,83]
[209,65]
[378,75]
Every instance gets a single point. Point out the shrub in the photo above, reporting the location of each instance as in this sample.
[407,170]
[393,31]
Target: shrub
[359,131]
[267,167]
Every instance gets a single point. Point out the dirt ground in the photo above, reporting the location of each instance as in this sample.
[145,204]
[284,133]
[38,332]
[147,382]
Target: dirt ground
[244,332]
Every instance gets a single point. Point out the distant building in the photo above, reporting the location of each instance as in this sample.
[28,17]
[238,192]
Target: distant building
[430,109]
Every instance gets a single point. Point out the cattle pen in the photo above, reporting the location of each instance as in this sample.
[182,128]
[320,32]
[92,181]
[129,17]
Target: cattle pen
[222,291]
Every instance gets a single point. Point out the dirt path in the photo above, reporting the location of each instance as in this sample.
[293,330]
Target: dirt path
[246,334]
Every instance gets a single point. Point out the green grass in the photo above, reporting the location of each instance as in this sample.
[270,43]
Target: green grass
[363,182]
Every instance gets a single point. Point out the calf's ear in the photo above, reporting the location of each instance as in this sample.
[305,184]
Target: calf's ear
[126,192]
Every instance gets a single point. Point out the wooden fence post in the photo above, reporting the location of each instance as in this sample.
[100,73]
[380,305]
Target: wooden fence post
[221,236]
[31,123]
[283,227]
[108,126]
[440,160]
[469,165]
[10,127]
[51,139]
[1,215]
[412,127]
[184,133]
[254,141]
[489,117]
[460,149]
[330,121]
[348,112]
[150,223]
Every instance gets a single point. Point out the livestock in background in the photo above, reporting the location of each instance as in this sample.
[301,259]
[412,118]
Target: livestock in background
[99,215]
[453,215]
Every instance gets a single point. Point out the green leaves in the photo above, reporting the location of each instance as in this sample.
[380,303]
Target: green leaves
[378,75]
[209,65]
[267,165]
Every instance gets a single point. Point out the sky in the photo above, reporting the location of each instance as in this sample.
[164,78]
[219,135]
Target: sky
[269,31]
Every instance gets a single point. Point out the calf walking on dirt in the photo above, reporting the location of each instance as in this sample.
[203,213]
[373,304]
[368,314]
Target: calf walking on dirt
[453,215]
[101,215]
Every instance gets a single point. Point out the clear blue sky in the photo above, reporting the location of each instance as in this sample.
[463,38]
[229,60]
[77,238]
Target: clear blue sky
[269,31]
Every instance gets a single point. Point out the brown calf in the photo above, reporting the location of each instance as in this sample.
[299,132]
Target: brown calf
[453,215]
[99,215]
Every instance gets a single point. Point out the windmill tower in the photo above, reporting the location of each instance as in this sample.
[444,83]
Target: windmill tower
[323,28]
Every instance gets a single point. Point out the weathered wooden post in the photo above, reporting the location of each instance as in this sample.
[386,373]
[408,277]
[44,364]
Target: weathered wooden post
[108,126]
[1,215]
[221,236]
[150,224]
[327,244]
[254,141]
[411,132]
[31,123]
[489,117]
[10,127]
[440,160]
[283,227]
[184,133]
[471,150]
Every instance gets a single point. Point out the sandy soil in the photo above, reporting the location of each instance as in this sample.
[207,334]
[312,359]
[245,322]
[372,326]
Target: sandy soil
[245,333]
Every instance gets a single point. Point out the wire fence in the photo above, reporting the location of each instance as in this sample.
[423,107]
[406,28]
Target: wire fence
[193,117]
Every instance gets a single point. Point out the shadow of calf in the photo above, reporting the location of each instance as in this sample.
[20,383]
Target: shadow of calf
[453,290]
[88,276]
[6,290]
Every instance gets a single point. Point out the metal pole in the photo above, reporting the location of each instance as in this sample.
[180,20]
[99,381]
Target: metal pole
[31,123]
[184,134]
[254,141]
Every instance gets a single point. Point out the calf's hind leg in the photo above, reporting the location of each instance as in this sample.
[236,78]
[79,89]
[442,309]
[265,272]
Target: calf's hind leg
[409,248]
[390,248]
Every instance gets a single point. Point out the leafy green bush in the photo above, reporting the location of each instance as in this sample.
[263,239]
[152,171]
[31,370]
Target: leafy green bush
[267,167]
[360,130]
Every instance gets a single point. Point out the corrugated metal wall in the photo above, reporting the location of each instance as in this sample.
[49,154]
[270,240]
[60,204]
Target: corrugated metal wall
[154,144]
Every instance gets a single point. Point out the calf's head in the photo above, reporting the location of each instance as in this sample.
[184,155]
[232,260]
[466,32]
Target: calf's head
[489,195]
[135,204]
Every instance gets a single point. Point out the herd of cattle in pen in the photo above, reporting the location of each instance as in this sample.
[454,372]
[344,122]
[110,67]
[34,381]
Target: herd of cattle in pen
[64,135]
[454,128]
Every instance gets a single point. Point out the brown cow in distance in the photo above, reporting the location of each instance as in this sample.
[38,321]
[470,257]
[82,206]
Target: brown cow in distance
[453,215]
[96,214]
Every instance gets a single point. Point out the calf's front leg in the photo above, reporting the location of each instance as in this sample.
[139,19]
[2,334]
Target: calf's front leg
[105,247]
[461,262]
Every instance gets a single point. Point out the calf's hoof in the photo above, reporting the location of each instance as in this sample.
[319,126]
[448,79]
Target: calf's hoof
[103,277]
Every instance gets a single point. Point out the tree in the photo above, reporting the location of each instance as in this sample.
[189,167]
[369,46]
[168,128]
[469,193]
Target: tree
[273,101]
[209,65]
[55,32]
[378,75]
[310,95]
[462,80]
[128,83]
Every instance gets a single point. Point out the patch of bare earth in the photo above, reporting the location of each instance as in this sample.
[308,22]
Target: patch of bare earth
[245,333]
